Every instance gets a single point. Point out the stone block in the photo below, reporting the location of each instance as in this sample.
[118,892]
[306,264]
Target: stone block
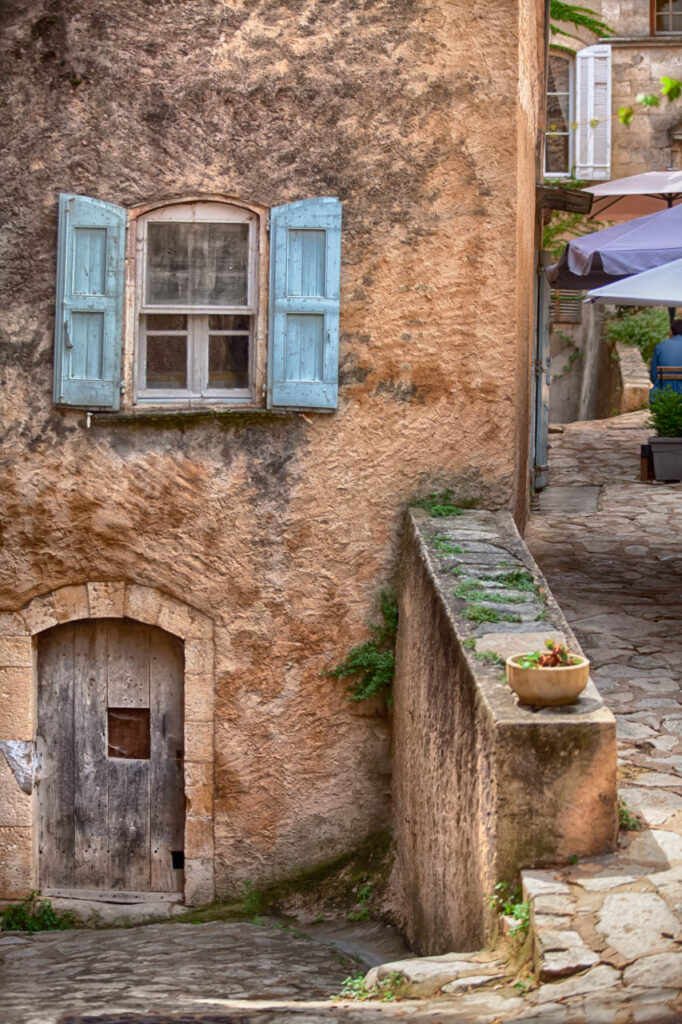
[12,624]
[566,961]
[664,969]
[199,789]
[16,651]
[198,837]
[198,657]
[182,620]
[106,600]
[199,697]
[17,704]
[199,742]
[71,603]
[142,603]
[199,881]
[39,614]
[637,923]
[17,872]
[16,807]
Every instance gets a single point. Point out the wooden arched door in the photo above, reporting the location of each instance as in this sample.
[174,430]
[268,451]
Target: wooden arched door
[110,758]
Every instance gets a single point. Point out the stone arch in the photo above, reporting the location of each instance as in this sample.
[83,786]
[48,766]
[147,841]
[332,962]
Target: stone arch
[18,686]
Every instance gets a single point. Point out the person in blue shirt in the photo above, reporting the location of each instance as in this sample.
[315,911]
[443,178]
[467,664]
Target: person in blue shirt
[667,353]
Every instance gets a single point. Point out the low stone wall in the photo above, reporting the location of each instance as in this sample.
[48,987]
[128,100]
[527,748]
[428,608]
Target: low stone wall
[633,378]
[483,786]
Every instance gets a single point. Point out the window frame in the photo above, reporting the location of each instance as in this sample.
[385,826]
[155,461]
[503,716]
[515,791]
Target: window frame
[202,207]
[570,133]
[653,17]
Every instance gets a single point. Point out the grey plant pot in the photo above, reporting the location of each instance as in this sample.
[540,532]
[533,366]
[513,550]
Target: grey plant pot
[667,455]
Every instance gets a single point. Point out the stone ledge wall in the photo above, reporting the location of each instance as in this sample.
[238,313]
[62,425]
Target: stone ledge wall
[634,378]
[483,786]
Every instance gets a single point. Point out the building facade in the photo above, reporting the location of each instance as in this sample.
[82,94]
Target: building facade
[290,249]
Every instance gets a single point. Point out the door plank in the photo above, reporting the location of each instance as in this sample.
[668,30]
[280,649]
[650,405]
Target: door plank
[91,852]
[127,663]
[129,824]
[167,809]
[55,757]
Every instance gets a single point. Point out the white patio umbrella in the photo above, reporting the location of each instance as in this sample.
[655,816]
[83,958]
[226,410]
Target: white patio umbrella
[636,195]
[661,286]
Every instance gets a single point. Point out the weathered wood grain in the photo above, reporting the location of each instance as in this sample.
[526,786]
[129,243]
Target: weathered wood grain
[128,663]
[167,808]
[128,825]
[91,846]
[56,757]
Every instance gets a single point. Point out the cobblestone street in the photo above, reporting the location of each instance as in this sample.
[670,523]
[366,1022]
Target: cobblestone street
[607,931]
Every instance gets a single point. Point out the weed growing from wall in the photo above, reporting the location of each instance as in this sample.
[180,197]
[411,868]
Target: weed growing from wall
[439,503]
[373,663]
[507,900]
[385,991]
[35,915]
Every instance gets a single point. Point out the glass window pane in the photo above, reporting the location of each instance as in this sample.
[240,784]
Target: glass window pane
[558,111]
[676,22]
[167,322]
[556,154]
[229,322]
[662,22]
[197,264]
[228,361]
[559,76]
[166,361]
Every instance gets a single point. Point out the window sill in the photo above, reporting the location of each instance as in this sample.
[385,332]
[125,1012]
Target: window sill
[174,417]
[669,39]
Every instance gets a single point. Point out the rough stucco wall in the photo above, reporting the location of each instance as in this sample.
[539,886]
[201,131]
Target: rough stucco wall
[282,530]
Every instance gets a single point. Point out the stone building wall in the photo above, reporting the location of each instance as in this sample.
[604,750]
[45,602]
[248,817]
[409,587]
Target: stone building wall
[279,530]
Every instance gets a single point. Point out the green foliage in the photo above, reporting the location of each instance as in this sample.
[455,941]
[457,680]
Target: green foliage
[439,503]
[479,613]
[490,657]
[581,17]
[644,329]
[385,991]
[35,915]
[556,656]
[364,894]
[666,413]
[564,226]
[671,88]
[508,900]
[468,589]
[446,546]
[628,822]
[470,643]
[374,661]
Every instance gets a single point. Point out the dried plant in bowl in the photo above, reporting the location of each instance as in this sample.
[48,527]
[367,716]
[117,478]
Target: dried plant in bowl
[548,678]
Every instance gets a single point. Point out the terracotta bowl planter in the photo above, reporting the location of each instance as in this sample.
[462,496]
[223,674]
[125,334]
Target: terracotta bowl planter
[548,687]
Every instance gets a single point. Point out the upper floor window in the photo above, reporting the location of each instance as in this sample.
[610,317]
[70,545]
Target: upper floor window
[578,122]
[558,130]
[666,15]
[198,297]
[209,312]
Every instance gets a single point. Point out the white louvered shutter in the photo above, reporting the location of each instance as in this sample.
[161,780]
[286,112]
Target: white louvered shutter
[593,113]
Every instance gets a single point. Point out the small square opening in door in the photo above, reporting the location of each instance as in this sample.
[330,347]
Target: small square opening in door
[128,733]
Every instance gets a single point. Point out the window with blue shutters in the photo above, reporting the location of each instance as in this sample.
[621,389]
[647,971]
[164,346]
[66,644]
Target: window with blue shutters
[89,309]
[198,332]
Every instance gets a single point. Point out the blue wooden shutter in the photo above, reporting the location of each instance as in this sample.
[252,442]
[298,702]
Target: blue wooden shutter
[89,314]
[305,271]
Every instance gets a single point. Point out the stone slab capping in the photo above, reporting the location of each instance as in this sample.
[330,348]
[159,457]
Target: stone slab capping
[483,786]
[18,689]
[634,378]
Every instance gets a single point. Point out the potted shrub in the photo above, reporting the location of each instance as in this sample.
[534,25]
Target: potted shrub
[666,448]
[548,678]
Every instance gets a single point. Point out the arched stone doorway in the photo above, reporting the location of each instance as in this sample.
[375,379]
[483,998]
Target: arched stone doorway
[19,643]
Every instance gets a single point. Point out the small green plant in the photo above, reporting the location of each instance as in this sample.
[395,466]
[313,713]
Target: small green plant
[470,643]
[251,901]
[374,661]
[385,991]
[490,657]
[643,329]
[34,914]
[364,895]
[556,656]
[518,579]
[666,413]
[479,613]
[524,985]
[439,503]
[468,589]
[446,546]
[627,821]
[508,900]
